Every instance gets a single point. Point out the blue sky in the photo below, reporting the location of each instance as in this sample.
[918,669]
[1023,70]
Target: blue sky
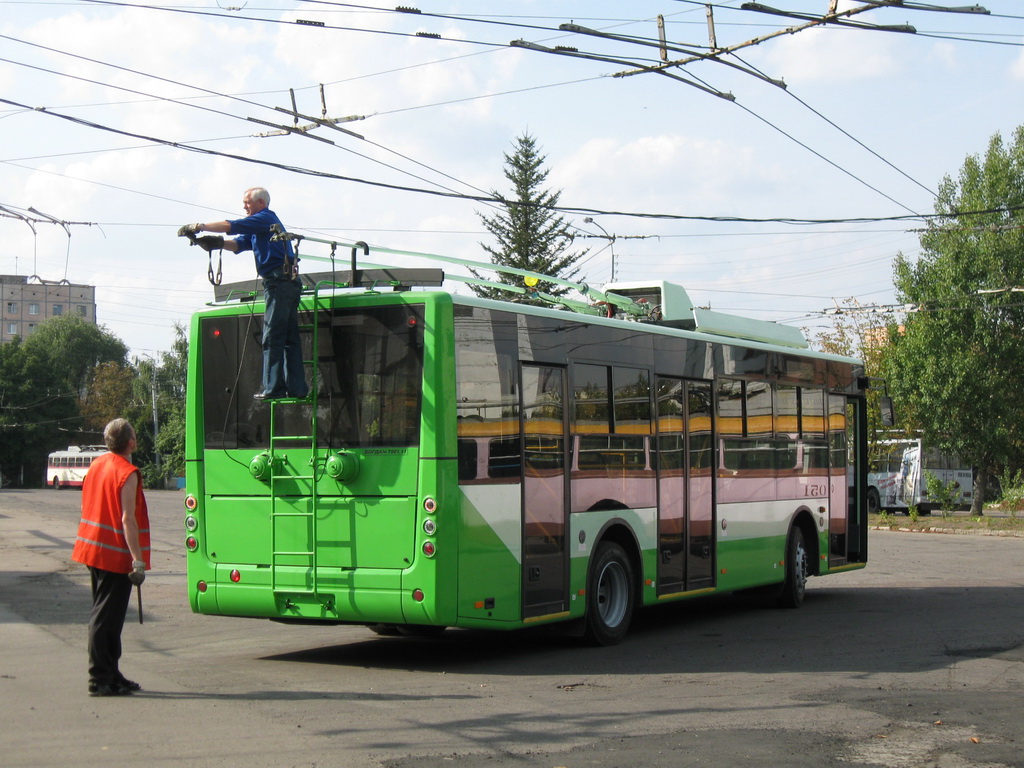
[869,125]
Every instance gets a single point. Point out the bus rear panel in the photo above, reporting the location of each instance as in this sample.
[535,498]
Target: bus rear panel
[333,525]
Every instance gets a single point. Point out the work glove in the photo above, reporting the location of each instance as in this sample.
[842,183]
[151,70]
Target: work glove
[189,230]
[210,243]
[138,573]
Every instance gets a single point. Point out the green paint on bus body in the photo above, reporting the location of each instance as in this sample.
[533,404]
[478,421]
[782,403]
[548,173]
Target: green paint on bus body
[402,542]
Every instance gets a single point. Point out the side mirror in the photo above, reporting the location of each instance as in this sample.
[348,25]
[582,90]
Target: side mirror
[888,415]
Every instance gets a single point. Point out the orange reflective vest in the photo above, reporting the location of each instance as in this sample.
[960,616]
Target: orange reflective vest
[101,542]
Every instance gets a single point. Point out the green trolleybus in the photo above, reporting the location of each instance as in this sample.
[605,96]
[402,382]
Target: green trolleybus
[466,462]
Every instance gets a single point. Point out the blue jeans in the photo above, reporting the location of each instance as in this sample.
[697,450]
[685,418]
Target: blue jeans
[283,372]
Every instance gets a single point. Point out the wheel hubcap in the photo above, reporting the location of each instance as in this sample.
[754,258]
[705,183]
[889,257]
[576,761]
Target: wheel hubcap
[801,568]
[612,594]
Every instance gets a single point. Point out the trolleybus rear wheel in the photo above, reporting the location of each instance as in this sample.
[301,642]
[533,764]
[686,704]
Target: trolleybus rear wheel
[384,630]
[611,595]
[420,630]
[405,630]
[797,567]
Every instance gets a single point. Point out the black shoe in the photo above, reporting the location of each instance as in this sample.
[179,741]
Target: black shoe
[299,397]
[131,685]
[102,689]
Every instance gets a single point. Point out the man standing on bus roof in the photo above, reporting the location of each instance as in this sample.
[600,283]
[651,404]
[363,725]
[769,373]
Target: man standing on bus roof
[113,541]
[283,372]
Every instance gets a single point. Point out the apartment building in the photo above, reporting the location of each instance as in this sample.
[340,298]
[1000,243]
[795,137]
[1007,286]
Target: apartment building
[27,301]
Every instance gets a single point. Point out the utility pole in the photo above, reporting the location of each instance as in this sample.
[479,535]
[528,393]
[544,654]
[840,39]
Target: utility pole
[156,422]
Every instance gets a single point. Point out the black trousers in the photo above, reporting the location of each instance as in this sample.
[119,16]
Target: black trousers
[111,593]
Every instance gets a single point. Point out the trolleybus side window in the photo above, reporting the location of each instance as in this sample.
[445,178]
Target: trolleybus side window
[671,455]
[812,429]
[743,408]
[487,406]
[787,428]
[612,426]
[787,437]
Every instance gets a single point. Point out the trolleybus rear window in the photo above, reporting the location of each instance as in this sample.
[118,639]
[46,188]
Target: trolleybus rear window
[369,387]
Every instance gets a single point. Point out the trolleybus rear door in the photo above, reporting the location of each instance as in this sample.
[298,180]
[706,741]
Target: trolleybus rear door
[543,436]
[700,523]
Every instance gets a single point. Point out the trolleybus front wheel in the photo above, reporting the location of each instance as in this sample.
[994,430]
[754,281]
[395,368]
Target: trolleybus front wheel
[611,595]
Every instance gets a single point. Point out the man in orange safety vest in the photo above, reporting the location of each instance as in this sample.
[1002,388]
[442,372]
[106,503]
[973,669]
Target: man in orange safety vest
[113,541]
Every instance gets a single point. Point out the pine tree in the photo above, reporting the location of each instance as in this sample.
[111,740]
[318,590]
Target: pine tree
[529,234]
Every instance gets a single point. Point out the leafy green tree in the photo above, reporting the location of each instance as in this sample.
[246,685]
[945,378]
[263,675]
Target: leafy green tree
[64,383]
[145,397]
[859,334]
[37,414]
[42,379]
[171,444]
[108,396]
[174,366]
[159,386]
[957,365]
[528,233]
[74,347]
[172,377]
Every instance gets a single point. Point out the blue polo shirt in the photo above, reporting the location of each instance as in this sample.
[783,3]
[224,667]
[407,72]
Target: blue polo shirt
[253,234]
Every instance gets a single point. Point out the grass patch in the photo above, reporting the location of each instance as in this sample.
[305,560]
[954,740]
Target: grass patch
[993,520]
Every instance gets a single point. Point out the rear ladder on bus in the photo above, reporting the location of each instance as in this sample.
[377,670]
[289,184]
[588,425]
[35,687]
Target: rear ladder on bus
[281,508]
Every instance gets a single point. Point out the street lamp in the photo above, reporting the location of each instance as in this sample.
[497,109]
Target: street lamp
[611,242]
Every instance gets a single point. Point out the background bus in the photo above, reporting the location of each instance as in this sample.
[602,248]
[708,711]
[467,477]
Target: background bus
[478,463]
[67,469]
[899,478]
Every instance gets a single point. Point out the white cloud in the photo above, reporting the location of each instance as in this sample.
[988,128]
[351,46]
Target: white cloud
[694,173]
[832,55]
[945,56]
[1017,68]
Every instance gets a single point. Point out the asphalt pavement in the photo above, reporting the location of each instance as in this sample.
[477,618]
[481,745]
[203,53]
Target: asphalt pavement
[916,661]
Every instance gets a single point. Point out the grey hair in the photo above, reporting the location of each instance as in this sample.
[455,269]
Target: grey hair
[258,193]
[117,434]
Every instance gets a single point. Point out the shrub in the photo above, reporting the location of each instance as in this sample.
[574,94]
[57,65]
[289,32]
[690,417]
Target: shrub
[943,495]
[1012,499]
